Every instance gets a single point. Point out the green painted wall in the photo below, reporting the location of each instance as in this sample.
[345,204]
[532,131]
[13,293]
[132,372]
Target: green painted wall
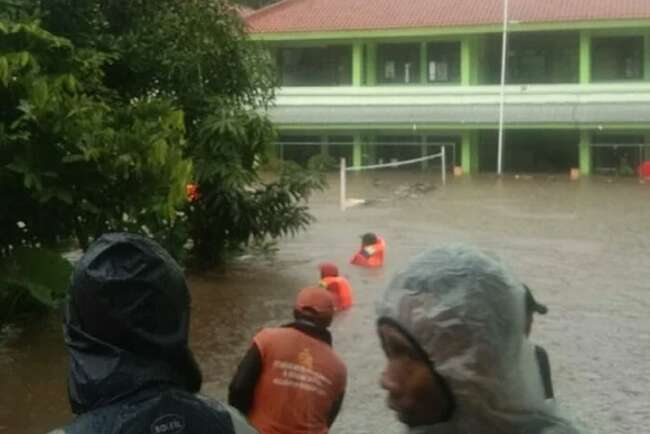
[444,31]
[584,152]
[473,55]
[456,127]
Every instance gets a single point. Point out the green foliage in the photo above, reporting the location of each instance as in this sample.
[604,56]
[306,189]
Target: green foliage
[196,53]
[108,108]
[75,161]
[32,279]
[322,163]
[235,206]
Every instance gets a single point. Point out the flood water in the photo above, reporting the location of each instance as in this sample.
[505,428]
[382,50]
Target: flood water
[583,248]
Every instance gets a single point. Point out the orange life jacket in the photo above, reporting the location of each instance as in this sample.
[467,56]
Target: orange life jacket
[300,381]
[340,289]
[371,256]
[644,170]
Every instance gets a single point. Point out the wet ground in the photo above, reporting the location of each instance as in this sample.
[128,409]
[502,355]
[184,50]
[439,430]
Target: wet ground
[583,247]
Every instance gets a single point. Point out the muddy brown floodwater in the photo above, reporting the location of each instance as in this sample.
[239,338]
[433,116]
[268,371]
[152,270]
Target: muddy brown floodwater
[583,247]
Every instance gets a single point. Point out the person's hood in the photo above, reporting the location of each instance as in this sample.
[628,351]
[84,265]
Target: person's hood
[467,310]
[328,269]
[127,323]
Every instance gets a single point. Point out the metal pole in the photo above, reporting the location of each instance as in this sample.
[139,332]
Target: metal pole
[444,166]
[342,187]
[504,62]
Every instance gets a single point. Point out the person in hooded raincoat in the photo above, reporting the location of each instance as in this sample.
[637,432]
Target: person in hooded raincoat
[126,330]
[451,327]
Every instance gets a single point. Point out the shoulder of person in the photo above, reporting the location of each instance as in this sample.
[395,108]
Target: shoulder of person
[270,332]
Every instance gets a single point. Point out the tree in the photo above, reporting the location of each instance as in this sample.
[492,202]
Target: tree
[196,53]
[75,161]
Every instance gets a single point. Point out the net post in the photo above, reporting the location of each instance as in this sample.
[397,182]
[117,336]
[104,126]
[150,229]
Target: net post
[342,185]
[443,165]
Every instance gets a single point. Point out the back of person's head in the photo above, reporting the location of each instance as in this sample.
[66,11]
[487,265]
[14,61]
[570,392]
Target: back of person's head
[328,269]
[315,305]
[368,239]
[128,291]
[463,307]
[127,322]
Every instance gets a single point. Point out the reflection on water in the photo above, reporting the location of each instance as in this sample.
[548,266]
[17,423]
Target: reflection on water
[582,246]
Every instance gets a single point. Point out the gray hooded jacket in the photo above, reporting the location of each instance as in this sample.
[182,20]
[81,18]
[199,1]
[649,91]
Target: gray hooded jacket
[466,311]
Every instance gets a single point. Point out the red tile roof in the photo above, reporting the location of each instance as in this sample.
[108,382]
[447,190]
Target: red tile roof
[330,15]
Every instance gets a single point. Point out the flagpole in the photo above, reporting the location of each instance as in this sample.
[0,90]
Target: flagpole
[504,62]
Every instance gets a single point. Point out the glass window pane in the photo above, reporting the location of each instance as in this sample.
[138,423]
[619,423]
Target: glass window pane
[443,62]
[533,58]
[618,58]
[398,63]
[315,66]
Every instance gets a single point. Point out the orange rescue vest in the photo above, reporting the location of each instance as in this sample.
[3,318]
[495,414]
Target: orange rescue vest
[373,257]
[300,381]
[340,289]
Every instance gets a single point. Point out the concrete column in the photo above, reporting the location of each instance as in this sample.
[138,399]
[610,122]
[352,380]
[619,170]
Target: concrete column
[585,57]
[468,61]
[357,150]
[357,64]
[371,149]
[371,64]
[424,70]
[324,146]
[424,151]
[469,152]
[584,152]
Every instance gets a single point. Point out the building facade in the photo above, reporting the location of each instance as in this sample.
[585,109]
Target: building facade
[374,80]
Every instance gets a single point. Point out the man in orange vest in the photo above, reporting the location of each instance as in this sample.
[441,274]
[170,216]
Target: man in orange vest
[291,381]
[372,250]
[337,285]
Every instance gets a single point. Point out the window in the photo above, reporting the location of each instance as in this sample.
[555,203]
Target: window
[533,58]
[443,62]
[619,58]
[315,66]
[398,63]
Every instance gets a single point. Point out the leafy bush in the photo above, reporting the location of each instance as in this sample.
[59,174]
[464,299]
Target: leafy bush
[32,279]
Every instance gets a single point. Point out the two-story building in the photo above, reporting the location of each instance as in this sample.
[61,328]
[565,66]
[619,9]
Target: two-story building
[382,79]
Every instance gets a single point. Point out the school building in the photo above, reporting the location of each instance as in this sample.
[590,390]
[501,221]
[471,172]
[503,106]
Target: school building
[376,80]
